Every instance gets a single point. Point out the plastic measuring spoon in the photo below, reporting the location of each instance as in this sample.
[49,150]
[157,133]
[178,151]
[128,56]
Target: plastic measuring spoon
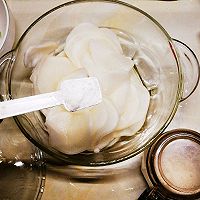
[74,94]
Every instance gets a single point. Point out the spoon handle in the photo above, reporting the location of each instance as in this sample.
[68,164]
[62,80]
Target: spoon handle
[28,104]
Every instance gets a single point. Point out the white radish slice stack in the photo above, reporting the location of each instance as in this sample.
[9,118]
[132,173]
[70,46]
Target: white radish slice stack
[103,125]
[92,51]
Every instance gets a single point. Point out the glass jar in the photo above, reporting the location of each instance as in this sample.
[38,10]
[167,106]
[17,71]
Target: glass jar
[171,166]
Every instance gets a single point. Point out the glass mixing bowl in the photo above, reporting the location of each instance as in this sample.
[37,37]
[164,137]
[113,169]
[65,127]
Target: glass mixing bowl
[166,80]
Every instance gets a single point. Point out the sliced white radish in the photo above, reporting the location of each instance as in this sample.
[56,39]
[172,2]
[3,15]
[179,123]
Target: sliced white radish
[109,67]
[60,49]
[136,106]
[78,73]
[48,74]
[120,95]
[68,132]
[97,119]
[105,142]
[103,120]
[61,54]
[91,51]
[36,53]
[78,40]
[131,107]
[112,119]
[106,58]
[130,131]
[81,29]
[112,38]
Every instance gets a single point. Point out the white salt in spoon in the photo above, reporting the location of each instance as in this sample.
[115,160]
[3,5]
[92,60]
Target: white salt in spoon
[74,94]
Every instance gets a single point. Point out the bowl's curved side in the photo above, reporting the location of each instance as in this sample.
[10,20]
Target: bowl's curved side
[104,157]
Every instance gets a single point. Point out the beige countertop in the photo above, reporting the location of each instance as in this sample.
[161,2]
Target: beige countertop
[181,20]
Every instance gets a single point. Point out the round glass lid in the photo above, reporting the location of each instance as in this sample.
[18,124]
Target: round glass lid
[177,165]
[171,165]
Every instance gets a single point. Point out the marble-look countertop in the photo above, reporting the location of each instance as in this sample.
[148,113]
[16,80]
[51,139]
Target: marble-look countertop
[181,20]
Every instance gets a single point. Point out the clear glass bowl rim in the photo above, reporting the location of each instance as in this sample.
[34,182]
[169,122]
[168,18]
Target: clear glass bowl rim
[179,91]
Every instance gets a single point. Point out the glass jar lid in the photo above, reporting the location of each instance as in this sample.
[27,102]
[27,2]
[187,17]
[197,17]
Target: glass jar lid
[172,164]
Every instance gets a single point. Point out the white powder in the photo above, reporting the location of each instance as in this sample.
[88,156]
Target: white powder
[80,93]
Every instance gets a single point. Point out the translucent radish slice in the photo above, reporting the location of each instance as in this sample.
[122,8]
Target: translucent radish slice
[36,53]
[120,95]
[103,120]
[70,135]
[112,37]
[136,106]
[109,67]
[48,74]
[78,40]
